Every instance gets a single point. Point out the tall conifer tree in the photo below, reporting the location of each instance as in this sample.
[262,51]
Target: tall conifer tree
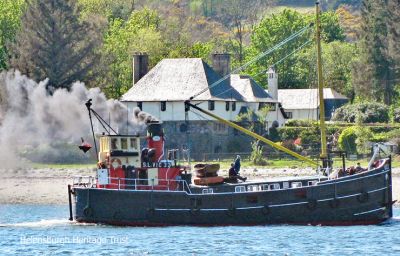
[55,44]
[375,74]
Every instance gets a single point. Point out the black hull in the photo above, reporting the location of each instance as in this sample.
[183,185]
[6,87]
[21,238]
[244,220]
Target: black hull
[361,199]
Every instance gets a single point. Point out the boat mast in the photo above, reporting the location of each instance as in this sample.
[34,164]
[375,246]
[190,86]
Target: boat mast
[324,154]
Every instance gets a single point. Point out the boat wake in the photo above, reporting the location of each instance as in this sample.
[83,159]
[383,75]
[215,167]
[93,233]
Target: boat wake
[44,223]
[393,221]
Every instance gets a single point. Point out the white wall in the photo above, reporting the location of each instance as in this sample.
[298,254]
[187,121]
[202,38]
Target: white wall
[311,114]
[175,111]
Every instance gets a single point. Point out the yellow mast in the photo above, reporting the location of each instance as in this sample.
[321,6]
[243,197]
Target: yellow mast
[324,154]
[252,134]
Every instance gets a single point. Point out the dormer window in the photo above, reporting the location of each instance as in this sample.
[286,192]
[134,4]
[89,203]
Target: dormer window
[211,105]
[227,106]
[140,105]
[163,105]
[233,106]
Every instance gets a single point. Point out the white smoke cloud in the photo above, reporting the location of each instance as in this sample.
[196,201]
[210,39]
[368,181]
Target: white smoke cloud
[31,118]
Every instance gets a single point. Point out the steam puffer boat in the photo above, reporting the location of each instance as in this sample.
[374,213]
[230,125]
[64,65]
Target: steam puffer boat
[143,187]
[148,187]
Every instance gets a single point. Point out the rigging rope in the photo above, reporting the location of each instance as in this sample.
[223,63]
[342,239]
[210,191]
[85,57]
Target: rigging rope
[257,58]
[274,64]
[287,56]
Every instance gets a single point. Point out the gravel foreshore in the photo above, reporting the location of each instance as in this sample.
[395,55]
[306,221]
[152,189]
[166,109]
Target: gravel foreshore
[49,186]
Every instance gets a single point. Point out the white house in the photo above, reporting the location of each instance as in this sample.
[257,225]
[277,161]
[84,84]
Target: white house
[163,90]
[304,103]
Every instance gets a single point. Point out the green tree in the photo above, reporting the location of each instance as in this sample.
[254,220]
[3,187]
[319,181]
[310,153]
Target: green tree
[274,29]
[140,33]
[111,9]
[54,44]
[378,59]
[337,62]
[10,21]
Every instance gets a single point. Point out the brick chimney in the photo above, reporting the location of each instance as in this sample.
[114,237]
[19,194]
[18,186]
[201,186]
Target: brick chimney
[140,66]
[221,63]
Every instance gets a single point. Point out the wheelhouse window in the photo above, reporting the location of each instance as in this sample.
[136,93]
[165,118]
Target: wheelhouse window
[211,105]
[114,144]
[227,106]
[163,105]
[234,106]
[140,105]
[124,143]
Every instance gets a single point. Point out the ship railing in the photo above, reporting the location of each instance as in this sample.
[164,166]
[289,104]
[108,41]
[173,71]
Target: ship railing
[149,184]
[132,184]
[84,181]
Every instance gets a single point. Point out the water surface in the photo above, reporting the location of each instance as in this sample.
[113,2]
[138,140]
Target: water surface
[45,230]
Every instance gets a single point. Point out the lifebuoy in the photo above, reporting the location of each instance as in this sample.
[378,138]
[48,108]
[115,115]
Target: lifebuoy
[266,210]
[334,203]
[88,212]
[312,204]
[116,163]
[363,197]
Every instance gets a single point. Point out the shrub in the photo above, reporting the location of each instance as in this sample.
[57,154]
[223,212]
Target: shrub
[273,134]
[369,112]
[289,133]
[256,156]
[396,115]
[311,137]
[300,123]
[364,137]
[347,140]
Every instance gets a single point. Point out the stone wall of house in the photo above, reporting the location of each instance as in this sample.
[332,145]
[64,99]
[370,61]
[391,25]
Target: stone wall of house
[204,137]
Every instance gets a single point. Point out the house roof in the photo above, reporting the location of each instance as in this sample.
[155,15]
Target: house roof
[178,80]
[305,98]
[249,89]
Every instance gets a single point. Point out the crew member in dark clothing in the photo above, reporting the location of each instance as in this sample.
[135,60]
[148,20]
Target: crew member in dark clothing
[237,164]
[232,172]
[235,169]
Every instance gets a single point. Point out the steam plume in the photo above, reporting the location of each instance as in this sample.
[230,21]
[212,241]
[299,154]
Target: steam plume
[30,117]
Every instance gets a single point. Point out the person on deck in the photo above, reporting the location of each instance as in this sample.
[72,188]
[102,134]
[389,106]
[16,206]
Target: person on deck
[359,168]
[236,168]
[237,164]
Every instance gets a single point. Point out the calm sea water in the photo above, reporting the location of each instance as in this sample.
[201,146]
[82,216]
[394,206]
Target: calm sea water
[45,230]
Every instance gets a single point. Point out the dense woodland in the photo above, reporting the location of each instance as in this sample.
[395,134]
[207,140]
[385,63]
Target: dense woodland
[94,40]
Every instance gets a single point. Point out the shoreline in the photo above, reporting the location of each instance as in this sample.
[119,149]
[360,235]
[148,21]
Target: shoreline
[49,185]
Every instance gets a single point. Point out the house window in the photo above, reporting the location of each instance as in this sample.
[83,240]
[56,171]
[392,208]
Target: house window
[289,115]
[272,106]
[227,106]
[163,105]
[140,105]
[261,105]
[211,105]
[233,106]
